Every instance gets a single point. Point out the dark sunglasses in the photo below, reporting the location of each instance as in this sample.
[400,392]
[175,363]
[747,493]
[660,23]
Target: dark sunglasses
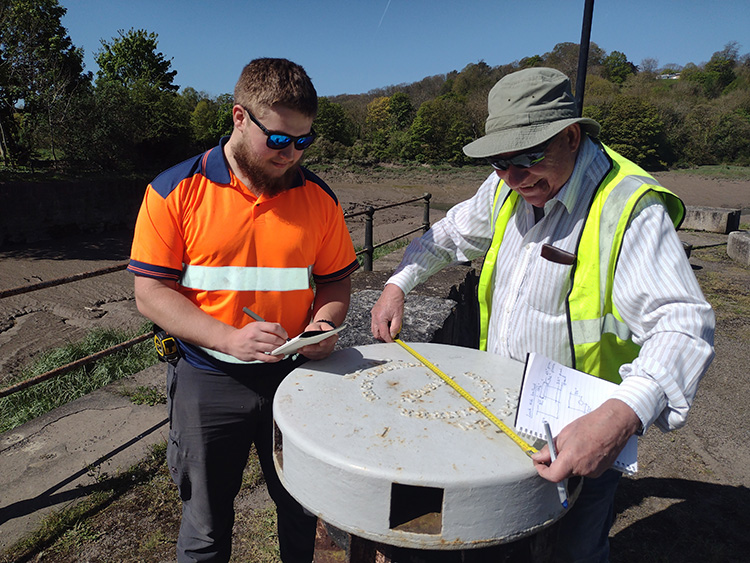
[526,159]
[277,140]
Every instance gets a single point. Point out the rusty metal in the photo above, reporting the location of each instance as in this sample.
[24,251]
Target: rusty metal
[358,213]
[73,365]
[369,247]
[60,281]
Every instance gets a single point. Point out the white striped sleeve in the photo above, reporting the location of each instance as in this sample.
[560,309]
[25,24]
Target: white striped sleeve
[659,298]
[463,234]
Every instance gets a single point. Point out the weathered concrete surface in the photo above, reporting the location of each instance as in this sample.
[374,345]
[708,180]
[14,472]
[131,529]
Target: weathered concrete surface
[738,246]
[712,219]
[423,318]
[57,459]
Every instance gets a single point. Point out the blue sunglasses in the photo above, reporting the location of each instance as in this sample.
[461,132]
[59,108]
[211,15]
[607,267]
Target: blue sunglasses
[524,160]
[276,140]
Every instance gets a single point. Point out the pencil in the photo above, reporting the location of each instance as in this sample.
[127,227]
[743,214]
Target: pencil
[255,316]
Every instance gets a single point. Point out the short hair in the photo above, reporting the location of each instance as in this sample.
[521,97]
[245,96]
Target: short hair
[267,82]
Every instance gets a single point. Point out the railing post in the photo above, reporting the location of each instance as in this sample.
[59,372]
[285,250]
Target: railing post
[426,217]
[368,239]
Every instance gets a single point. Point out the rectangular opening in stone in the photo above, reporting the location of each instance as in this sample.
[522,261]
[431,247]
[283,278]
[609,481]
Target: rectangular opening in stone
[278,446]
[416,509]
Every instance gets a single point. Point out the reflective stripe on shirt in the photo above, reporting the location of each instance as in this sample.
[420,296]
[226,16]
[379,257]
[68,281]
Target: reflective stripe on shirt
[235,278]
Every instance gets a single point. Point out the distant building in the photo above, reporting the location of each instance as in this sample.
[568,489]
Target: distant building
[669,76]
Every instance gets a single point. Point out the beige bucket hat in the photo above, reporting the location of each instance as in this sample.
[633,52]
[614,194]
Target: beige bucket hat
[525,109]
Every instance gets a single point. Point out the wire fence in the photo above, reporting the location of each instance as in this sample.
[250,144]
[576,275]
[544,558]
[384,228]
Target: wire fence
[367,251]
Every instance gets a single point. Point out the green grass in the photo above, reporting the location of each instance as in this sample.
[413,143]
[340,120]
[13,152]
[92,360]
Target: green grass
[38,399]
[135,516]
[68,530]
[143,395]
[384,250]
[724,171]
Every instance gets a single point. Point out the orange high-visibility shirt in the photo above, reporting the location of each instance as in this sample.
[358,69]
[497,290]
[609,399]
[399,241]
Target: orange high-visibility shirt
[228,249]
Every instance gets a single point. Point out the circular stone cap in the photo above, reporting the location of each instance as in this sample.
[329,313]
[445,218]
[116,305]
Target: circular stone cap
[376,444]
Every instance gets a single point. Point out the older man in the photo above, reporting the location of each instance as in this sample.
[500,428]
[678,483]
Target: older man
[583,265]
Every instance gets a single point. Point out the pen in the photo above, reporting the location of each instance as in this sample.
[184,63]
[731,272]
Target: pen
[553,454]
[255,316]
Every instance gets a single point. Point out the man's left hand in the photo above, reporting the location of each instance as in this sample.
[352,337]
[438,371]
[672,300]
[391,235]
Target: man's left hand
[321,349]
[589,445]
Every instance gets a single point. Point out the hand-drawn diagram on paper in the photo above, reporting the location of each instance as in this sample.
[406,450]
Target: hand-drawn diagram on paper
[551,395]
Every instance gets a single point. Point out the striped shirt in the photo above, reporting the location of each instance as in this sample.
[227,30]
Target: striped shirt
[654,287]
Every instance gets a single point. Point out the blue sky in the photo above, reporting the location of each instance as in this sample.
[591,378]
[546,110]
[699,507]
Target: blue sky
[353,46]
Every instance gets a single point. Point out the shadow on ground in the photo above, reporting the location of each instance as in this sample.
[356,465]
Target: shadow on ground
[698,522]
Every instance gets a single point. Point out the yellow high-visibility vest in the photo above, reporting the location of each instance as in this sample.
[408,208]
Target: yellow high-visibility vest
[600,340]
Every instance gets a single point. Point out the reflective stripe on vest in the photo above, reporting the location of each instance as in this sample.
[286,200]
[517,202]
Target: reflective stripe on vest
[600,340]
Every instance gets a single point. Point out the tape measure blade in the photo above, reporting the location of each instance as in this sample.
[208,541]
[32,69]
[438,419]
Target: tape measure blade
[528,449]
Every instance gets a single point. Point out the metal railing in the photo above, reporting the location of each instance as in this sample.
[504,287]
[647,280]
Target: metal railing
[368,251]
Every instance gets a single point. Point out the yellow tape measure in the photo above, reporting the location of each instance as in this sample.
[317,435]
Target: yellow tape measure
[528,450]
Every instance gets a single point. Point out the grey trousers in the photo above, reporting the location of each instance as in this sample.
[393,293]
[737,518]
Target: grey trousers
[214,420]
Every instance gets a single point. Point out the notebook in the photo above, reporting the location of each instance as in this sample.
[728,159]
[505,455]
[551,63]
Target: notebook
[309,337]
[558,394]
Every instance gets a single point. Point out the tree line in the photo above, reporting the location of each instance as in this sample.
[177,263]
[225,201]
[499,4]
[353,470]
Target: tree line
[131,116]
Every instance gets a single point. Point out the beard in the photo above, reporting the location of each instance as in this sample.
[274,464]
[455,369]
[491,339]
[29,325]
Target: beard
[263,182]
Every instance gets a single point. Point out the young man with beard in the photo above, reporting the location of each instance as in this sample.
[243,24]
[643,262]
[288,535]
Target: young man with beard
[242,225]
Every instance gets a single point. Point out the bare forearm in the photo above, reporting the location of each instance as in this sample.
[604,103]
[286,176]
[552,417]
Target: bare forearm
[331,304]
[332,301]
[162,303]
[172,311]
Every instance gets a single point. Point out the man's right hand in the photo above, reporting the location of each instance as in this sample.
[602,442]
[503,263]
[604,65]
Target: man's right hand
[160,301]
[388,313]
[255,341]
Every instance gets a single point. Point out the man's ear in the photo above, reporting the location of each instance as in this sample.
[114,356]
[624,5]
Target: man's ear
[573,137]
[239,116]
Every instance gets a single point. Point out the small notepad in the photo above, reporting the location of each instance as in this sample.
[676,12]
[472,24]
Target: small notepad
[559,394]
[306,338]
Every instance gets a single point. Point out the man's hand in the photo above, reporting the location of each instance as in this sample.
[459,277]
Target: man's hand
[255,341]
[321,349]
[388,313]
[589,445]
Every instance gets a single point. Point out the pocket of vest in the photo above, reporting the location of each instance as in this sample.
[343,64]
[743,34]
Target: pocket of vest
[548,286]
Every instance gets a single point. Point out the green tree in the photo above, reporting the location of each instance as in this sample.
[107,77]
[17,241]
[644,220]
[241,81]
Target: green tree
[41,73]
[632,127]
[617,67]
[474,77]
[529,62]
[564,57]
[150,124]
[717,74]
[439,132]
[730,138]
[333,124]
[401,110]
[202,120]
[132,58]
[223,124]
